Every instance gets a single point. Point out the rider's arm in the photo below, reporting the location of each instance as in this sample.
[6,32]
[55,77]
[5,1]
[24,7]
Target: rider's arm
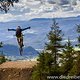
[26,28]
[11,29]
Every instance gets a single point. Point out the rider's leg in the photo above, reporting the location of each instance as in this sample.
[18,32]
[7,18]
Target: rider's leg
[18,40]
[22,41]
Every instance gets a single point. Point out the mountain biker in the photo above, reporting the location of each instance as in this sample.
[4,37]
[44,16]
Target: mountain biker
[19,34]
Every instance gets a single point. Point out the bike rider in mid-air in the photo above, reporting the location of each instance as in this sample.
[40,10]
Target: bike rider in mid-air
[19,34]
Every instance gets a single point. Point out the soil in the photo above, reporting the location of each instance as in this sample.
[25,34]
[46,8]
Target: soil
[17,70]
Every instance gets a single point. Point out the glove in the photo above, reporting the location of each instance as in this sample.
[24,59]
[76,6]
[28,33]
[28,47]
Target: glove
[29,27]
[8,29]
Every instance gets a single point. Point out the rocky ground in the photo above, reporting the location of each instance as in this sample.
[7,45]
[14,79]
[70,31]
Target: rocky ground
[16,70]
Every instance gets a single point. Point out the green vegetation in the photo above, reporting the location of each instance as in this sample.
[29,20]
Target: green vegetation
[48,60]
[78,31]
[57,60]
[2,59]
[67,58]
[6,4]
[76,67]
[2,56]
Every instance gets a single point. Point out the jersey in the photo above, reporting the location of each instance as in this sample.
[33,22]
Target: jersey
[18,32]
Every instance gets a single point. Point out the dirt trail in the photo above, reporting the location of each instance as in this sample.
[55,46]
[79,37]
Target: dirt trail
[16,70]
[18,64]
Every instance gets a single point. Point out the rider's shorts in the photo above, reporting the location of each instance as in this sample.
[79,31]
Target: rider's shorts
[19,37]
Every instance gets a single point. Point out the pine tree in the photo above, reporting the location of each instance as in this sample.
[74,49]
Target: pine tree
[68,58]
[78,31]
[2,58]
[54,45]
[48,60]
[76,68]
[75,71]
[1,44]
[44,68]
[78,52]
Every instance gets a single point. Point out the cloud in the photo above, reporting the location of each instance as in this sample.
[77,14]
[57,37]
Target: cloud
[6,17]
[29,9]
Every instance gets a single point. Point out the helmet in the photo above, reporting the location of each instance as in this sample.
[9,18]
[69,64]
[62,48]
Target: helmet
[18,27]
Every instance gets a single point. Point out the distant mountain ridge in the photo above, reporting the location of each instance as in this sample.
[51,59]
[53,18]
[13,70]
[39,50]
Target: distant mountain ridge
[12,50]
[39,19]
